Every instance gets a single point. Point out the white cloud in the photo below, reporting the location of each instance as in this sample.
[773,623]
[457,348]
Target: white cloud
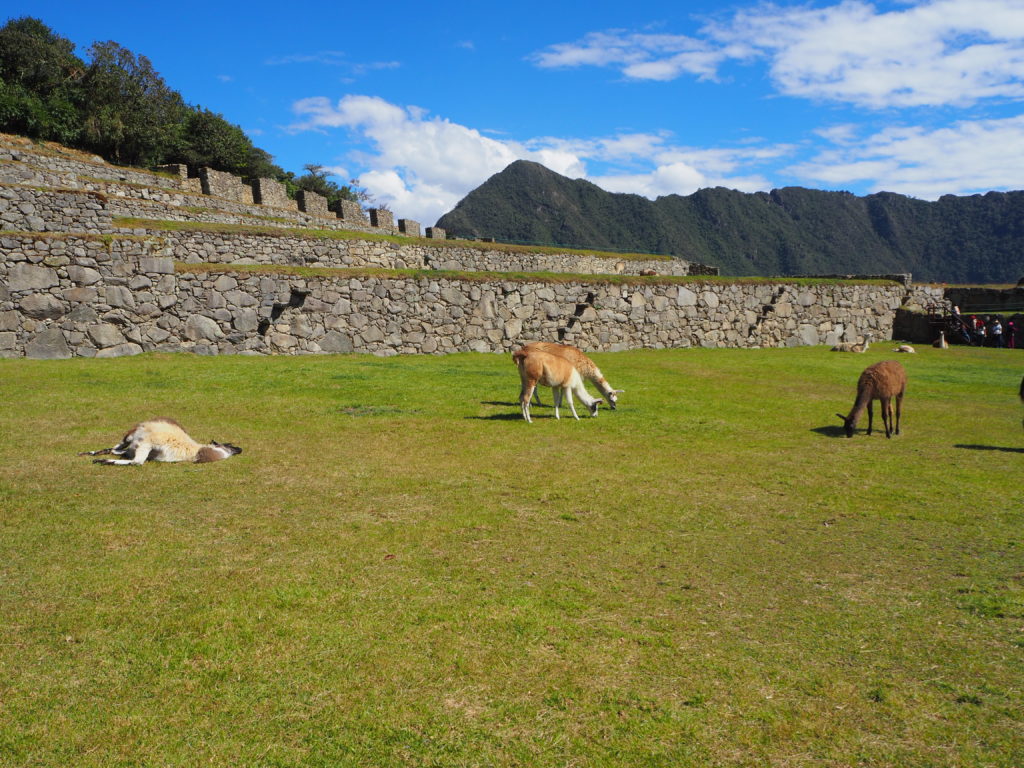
[422,165]
[932,53]
[967,157]
[637,55]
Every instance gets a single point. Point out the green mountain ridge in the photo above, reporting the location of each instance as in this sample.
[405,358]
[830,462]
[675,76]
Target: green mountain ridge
[788,231]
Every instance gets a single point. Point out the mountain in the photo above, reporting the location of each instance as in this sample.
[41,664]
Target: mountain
[789,231]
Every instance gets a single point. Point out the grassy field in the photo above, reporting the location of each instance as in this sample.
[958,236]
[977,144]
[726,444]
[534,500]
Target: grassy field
[398,571]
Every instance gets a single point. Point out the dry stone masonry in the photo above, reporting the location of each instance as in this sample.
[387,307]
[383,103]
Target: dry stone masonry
[74,283]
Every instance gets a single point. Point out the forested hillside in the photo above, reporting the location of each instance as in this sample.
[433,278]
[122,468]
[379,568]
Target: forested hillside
[115,104]
[790,231]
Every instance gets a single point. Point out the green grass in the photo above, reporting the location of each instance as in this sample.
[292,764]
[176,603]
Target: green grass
[398,571]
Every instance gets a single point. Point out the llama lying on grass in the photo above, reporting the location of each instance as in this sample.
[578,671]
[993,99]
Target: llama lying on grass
[586,367]
[849,346]
[162,440]
[539,367]
[906,348]
[882,381]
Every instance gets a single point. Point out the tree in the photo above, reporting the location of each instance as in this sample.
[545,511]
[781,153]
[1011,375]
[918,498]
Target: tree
[39,82]
[210,140]
[131,116]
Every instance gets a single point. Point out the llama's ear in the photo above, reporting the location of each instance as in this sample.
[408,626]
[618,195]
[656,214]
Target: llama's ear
[841,417]
[618,391]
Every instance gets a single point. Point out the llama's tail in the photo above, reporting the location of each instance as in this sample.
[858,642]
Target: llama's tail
[518,356]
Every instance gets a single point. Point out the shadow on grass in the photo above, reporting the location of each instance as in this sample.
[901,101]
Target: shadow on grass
[831,431]
[517,414]
[989,448]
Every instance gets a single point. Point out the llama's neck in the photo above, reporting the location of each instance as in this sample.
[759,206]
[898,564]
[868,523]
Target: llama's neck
[864,396]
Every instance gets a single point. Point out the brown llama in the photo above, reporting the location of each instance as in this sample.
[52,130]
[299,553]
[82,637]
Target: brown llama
[588,370]
[882,381]
[538,367]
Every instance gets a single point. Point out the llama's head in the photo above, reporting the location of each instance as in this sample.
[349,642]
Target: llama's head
[228,448]
[611,395]
[216,452]
[847,424]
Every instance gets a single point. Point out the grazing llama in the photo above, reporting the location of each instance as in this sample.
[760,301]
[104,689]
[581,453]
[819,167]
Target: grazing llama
[882,381]
[941,343]
[539,367]
[905,348]
[162,440]
[849,346]
[581,363]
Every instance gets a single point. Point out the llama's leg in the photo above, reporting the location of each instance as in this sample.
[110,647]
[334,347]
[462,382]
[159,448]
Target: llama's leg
[101,452]
[886,405]
[871,415]
[142,451]
[572,406]
[556,395]
[899,411]
[524,401]
[536,395]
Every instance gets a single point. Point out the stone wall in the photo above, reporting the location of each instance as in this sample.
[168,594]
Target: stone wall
[74,295]
[220,184]
[239,248]
[272,193]
[52,210]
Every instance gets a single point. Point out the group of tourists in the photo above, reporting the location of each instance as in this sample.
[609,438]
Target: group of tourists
[989,330]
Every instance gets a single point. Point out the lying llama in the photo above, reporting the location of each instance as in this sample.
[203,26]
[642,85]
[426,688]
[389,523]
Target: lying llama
[905,348]
[581,363]
[539,367]
[941,343]
[882,381]
[849,346]
[162,440]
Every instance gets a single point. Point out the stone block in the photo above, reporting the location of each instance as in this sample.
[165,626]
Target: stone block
[381,218]
[409,227]
[272,193]
[48,345]
[83,275]
[105,335]
[199,328]
[351,212]
[28,277]
[42,306]
[312,203]
[436,233]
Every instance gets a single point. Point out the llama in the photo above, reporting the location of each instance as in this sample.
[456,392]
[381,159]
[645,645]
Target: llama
[941,343]
[581,363]
[162,440]
[882,381]
[906,348]
[539,367]
[849,346]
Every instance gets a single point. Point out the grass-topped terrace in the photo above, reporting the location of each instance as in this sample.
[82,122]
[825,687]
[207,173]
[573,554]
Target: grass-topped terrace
[398,571]
[485,276]
[345,234]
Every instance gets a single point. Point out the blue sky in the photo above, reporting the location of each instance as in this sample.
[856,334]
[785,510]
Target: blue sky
[422,102]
